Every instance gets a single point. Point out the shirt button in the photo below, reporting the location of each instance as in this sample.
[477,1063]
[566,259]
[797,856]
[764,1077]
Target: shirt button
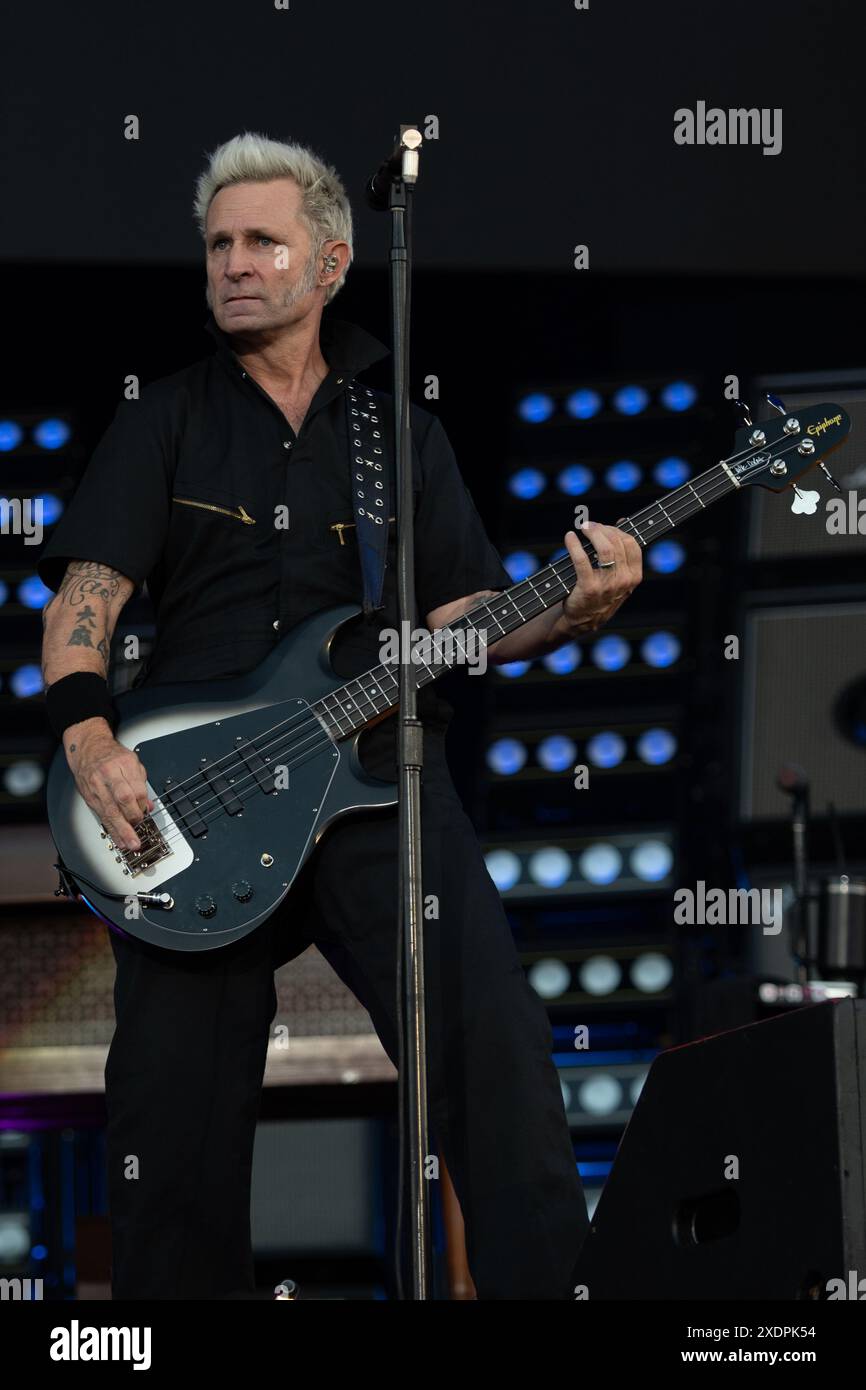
[287,443]
[276,624]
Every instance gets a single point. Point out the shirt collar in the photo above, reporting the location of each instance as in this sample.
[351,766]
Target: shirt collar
[346,347]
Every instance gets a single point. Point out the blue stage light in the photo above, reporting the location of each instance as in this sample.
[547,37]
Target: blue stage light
[600,864]
[513,669]
[520,564]
[52,508]
[550,867]
[23,778]
[679,395]
[600,1095]
[652,861]
[26,681]
[606,749]
[10,436]
[556,752]
[503,867]
[51,434]
[527,483]
[575,480]
[506,756]
[661,649]
[651,972]
[656,746]
[611,653]
[600,975]
[672,472]
[4,592]
[623,476]
[32,593]
[549,978]
[665,557]
[583,404]
[630,400]
[564,660]
[536,408]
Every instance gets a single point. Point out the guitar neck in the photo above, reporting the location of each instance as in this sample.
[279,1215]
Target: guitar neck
[368,698]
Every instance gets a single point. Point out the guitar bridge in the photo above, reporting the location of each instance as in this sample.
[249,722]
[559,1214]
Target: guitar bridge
[151,850]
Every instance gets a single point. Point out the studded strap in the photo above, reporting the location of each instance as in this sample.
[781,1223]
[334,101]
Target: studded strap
[370,487]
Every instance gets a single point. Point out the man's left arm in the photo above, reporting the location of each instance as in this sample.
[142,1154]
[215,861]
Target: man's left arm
[596,596]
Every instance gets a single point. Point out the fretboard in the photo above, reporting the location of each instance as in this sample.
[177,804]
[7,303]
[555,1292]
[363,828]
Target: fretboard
[368,697]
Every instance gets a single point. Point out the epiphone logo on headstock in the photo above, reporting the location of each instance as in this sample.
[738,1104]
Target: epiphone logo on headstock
[825,424]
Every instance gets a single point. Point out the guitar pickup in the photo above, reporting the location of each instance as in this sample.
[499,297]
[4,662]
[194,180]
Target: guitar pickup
[228,797]
[181,808]
[258,767]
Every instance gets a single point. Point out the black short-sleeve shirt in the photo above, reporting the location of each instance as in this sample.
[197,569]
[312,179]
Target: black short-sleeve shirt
[183,492]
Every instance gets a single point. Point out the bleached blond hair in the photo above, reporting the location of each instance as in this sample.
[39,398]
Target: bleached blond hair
[254,158]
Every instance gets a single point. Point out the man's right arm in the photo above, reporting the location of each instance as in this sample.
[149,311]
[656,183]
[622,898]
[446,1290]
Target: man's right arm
[78,625]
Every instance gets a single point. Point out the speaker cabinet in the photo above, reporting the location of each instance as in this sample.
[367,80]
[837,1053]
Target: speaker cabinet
[741,1174]
[804,685]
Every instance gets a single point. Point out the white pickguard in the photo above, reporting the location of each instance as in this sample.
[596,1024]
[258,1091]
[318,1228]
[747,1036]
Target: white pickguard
[96,859]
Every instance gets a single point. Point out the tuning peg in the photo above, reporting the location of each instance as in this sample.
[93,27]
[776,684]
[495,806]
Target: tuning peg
[829,476]
[744,411]
[776,403]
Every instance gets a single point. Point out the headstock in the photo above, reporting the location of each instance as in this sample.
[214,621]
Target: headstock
[777,452]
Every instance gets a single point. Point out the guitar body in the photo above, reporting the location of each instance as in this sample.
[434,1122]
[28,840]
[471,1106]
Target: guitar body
[226,854]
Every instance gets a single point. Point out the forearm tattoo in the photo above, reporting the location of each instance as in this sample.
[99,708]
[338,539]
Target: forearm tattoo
[85,580]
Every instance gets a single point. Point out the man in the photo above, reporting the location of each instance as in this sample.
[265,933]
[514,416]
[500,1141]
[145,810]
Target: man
[181,493]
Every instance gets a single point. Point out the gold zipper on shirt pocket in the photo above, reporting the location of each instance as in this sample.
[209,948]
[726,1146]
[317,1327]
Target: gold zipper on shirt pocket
[239,515]
[341,526]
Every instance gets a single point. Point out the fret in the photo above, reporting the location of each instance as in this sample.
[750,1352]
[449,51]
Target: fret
[695,494]
[627,521]
[336,718]
[360,691]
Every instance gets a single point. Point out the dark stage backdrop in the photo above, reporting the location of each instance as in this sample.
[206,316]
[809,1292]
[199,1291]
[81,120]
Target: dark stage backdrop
[555,125]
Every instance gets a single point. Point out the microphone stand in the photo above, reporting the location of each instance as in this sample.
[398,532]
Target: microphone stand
[412,1080]
[793,781]
[799,824]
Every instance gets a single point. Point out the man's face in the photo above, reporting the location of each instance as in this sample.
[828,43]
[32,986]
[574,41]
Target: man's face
[261,272]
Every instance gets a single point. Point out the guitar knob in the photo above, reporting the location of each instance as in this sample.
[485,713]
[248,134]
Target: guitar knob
[242,890]
[205,905]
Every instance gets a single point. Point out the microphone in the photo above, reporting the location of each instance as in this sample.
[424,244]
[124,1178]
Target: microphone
[402,163]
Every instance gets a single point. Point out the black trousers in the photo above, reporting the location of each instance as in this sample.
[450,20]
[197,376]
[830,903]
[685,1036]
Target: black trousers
[184,1071]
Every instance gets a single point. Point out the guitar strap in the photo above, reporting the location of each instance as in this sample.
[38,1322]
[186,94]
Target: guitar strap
[369,472]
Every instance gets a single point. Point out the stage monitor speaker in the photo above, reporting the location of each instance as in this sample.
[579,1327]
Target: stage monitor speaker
[741,1172]
[315,1188]
[775,532]
[803,701]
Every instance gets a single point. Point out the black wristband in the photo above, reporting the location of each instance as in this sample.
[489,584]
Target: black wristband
[83,695]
